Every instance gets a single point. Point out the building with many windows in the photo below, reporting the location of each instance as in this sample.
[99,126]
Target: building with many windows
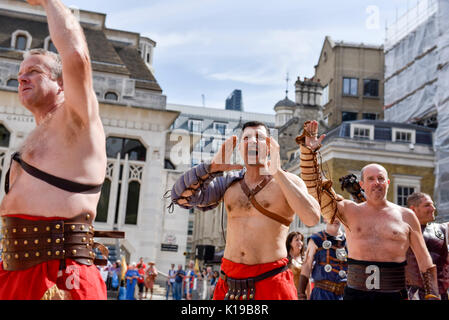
[351,76]
[235,101]
[135,119]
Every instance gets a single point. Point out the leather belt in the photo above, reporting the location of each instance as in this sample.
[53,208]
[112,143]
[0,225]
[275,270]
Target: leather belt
[376,277]
[335,287]
[246,288]
[27,243]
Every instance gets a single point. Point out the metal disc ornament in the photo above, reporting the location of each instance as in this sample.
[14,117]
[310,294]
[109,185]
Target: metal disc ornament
[341,254]
[342,273]
[328,268]
[327,244]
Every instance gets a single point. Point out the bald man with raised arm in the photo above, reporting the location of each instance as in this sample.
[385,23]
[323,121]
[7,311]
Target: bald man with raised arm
[378,232]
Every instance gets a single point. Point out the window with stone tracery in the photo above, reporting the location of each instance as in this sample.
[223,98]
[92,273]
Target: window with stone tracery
[120,195]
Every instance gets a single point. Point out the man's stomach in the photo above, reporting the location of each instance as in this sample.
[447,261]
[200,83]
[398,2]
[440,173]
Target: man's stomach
[255,240]
[37,198]
[379,250]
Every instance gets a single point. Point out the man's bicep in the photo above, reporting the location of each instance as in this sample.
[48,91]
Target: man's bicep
[417,243]
[79,93]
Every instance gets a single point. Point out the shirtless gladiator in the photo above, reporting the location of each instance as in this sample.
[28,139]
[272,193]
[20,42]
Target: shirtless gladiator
[260,208]
[54,182]
[378,232]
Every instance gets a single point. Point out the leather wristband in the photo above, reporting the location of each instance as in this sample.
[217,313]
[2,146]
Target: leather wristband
[302,286]
[430,283]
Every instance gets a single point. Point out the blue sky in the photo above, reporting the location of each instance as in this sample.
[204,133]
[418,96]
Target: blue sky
[211,47]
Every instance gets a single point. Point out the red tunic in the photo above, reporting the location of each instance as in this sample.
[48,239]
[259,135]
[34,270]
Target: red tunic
[278,287]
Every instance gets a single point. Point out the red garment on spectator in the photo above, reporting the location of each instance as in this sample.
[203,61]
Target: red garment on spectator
[278,287]
[141,272]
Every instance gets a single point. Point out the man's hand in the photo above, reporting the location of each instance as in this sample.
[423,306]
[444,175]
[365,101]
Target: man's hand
[312,141]
[273,165]
[222,160]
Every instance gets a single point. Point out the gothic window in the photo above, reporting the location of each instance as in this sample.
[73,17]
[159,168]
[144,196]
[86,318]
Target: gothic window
[132,203]
[134,148]
[130,178]
[111,96]
[12,83]
[4,136]
[103,203]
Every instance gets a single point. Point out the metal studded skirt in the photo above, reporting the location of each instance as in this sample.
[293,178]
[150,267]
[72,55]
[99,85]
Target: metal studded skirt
[27,243]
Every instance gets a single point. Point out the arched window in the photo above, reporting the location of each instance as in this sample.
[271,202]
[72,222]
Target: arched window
[21,42]
[103,203]
[134,148]
[111,96]
[130,177]
[12,83]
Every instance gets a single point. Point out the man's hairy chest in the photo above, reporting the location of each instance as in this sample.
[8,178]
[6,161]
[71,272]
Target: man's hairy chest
[270,197]
[58,131]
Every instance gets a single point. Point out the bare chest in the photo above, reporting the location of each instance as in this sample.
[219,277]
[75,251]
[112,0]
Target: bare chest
[270,198]
[379,227]
[48,139]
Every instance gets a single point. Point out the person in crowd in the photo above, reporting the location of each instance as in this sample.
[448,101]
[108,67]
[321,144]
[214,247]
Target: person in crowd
[150,276]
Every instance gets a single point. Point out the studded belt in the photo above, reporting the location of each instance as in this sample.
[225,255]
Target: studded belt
[246,288]
[27,243]
[335,287]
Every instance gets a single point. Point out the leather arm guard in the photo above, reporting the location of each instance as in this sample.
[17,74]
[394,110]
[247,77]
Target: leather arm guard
[320,189]
[430,283]
[303,282]
[351,185]
[206,189]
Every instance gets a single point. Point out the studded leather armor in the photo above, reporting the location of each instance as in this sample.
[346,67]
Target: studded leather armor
[435,237]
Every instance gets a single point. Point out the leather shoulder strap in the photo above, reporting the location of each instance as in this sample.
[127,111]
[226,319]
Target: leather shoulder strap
[60,183]
[251,197]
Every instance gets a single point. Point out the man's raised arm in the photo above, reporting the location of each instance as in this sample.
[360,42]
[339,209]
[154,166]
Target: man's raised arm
[68,38]
[204,185]
[331,204]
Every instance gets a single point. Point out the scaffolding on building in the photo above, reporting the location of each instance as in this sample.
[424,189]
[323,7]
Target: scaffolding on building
[409,21]
[417,81]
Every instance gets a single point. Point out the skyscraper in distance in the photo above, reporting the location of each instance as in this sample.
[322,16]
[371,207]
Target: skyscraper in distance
[234,101]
